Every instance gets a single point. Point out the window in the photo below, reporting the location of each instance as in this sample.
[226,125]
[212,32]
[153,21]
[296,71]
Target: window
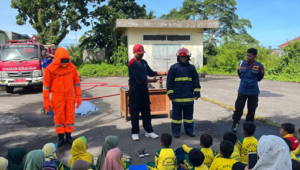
[179,37]
[167,38]
[155,37]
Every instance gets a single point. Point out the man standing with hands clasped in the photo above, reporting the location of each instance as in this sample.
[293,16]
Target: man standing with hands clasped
[250,73]
[139,100]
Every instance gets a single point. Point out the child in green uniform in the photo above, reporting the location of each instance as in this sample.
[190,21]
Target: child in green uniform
[224,162]
[249,143]
[165,158]
[231,137]
[196,158]
[206,141]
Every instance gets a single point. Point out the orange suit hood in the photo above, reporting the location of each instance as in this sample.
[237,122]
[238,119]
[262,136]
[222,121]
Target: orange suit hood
[56,67]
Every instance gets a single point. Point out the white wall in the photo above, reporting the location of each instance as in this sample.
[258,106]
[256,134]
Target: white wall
[195,45]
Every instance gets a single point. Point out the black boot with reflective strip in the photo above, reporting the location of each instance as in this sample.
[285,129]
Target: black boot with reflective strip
[69,139]
[234,126]
[61,140]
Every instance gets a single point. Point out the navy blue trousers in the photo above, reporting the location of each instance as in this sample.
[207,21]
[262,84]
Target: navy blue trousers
[185,111]
[139,102]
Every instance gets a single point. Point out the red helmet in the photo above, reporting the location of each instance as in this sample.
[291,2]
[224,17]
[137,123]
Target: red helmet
[183,52]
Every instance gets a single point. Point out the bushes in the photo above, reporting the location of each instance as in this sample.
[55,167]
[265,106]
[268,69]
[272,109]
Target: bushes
[103,70]
[229,53]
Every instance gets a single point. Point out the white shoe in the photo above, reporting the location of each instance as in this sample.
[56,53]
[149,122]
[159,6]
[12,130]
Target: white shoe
[135,137]
[151,135]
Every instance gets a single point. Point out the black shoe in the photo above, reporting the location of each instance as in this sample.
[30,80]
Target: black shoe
[69,139]
[176,135]
[234,126]
[61,140]
[191,134]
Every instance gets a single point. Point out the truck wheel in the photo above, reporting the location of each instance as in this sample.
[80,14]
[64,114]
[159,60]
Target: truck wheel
[9,89]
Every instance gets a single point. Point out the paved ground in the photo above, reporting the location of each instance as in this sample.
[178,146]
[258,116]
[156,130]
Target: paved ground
[278,101]
[22,124]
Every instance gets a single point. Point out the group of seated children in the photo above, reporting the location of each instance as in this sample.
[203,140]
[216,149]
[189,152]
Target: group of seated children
[230,156]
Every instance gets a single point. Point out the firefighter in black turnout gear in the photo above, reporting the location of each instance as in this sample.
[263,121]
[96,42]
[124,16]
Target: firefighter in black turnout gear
[183,87]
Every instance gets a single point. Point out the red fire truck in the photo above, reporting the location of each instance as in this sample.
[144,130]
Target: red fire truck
[20,64]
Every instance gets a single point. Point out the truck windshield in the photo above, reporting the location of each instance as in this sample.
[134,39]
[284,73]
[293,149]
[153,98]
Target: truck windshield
[19,52]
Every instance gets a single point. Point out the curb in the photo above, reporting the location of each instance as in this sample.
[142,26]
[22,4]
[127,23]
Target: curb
[263,119]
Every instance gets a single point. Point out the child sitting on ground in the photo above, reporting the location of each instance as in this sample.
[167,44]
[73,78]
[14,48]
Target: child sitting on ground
[224,162]
[196,158]
[290,145]
[297,151]
[165,158]
[238,166]
[249,143]
[231,137]
[206,141]
[287,131]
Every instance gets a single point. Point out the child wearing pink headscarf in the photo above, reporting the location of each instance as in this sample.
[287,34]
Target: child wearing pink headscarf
[112,160]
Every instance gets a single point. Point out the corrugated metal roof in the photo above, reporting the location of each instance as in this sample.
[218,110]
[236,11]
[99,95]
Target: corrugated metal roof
[285,44]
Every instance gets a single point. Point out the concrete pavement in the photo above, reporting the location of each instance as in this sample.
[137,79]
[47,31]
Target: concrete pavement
[23,125]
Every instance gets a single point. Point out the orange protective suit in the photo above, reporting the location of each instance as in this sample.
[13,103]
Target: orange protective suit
[61,78]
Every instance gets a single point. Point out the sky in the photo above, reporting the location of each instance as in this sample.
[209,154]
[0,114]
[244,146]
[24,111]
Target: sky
[274,22]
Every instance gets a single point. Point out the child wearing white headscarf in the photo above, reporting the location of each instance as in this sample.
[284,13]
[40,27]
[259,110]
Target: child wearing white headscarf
[273,154]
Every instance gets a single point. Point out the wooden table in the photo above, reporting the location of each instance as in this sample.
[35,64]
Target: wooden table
[160,103]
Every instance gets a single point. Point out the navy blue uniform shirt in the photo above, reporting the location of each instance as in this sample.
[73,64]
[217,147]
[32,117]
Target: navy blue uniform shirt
[250,76]
[46,62]
[138,72]
[183,83]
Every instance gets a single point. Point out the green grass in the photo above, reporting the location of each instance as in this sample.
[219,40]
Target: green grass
[102,70]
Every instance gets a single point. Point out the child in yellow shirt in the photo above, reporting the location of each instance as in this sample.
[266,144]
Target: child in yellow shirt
[165,158]
[224,162]
[206,141]
[238,166]
[231,137]
[196,158]
[297,151]
[290,144]
[249,143]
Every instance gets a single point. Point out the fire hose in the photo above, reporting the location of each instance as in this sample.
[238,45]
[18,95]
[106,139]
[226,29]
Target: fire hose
[103,84]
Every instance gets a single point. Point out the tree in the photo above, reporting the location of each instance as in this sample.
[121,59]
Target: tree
[52,19]
[75,54]
[222,10]
[103,34]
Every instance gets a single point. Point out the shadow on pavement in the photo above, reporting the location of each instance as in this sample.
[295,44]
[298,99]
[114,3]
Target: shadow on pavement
[264,93]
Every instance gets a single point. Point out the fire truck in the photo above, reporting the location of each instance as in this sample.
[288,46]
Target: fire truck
[20,63]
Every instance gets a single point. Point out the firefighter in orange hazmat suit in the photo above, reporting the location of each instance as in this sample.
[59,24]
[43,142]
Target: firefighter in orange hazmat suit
[61,78]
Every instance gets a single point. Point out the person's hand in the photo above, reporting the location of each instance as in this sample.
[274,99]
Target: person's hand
[246,168]
[166,72]
[47,105]
[182,166]
[78,101]
[154,79]
[196,98]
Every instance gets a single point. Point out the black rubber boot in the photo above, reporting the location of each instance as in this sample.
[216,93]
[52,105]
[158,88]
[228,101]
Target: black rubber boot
[69,139]
[191,134]
[234,126]
[61,140]
[176,135]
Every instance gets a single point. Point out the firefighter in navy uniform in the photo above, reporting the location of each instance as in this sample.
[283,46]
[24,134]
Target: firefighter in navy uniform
[183,87]
[138,93]
[250,73]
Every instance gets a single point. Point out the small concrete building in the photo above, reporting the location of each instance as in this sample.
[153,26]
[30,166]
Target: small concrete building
[162,38]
